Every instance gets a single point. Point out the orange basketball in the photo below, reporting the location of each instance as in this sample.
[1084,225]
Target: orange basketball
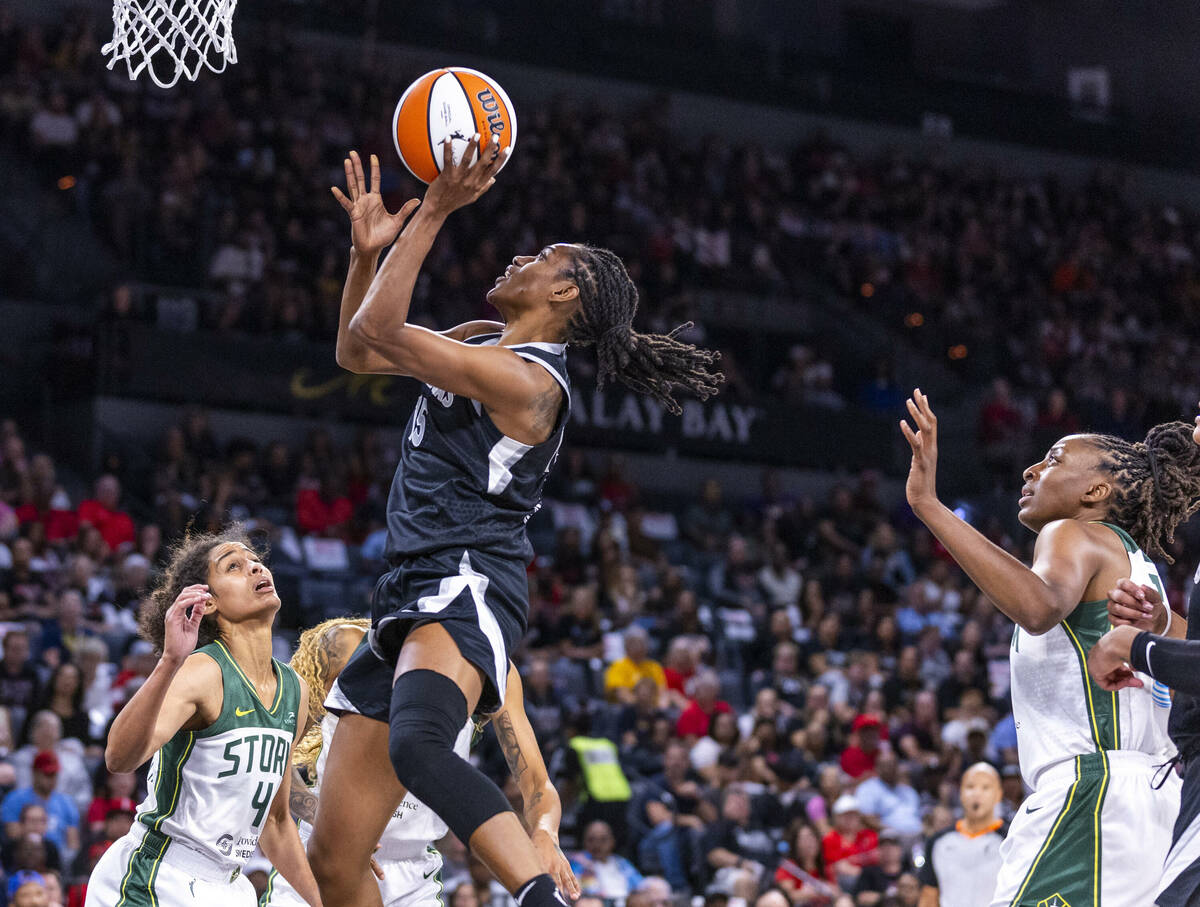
[453,102]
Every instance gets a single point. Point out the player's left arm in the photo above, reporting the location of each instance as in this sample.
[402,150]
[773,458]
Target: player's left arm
[543,808]
[280,839]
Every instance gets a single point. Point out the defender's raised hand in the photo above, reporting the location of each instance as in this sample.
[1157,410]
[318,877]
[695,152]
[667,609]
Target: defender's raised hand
[372,228]
[921,488]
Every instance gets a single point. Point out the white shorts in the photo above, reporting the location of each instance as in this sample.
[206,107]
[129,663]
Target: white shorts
[406,883]
[1093,834]
[131,874]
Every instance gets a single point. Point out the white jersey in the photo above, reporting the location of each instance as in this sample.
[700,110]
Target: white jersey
[210,790]
[1059,712]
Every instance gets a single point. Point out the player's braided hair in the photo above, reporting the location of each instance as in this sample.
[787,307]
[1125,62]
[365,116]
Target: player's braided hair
[188,567]
[651,364]
[1157,483]
[311,662]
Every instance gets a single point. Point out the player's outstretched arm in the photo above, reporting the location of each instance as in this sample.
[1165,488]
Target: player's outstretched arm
[280,839]
[1066,557]
[183,688]
[543,808]
[384,311]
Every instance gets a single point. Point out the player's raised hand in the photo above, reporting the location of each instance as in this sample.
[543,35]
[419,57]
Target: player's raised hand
[921,488]
[1131,605]
[462,183]
[1108,660]
[182,622]
[372,228]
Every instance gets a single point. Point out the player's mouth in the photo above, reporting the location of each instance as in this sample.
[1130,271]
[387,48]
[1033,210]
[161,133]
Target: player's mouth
[264,586]
[1026,494]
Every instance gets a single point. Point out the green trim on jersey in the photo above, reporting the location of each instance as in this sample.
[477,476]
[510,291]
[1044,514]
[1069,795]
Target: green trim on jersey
[169,782]
[1126,539]
[242,707]
[137,887]
[1084,626]
[1069,861]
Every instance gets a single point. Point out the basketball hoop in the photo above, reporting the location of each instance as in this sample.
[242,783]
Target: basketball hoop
[158,35]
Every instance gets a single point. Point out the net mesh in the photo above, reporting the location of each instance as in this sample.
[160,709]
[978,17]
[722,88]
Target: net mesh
[172,38]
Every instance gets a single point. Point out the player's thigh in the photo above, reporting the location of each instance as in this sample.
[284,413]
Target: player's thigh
[430,647]
[359,791]
[1024,846]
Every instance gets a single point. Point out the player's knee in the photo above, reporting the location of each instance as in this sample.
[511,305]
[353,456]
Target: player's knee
[428,711]
[331,869]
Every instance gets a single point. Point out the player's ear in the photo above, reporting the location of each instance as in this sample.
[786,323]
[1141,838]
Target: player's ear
[1098,492]
[564,291]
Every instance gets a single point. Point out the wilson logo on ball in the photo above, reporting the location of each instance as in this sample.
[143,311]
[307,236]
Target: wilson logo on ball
[451,103]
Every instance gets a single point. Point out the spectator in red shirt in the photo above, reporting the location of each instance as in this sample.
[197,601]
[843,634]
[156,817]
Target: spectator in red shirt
[858,759]
[679,666]
[115,526]
[694,720]
[850,846]
[324,510]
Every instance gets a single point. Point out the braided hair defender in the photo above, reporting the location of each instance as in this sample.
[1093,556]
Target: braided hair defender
[651,364]
[1156,483]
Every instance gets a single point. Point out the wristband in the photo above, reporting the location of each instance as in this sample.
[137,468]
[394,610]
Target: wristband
[1137,652]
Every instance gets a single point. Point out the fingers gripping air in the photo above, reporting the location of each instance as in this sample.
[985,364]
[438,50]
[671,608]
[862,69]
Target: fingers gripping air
[428,711]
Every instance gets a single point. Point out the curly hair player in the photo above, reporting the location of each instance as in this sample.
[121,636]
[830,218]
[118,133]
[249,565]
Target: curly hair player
[1097,504]
[220,717]
[1175,661]
[488,423]
[409,865]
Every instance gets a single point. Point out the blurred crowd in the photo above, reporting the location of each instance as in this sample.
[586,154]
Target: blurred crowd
[225,184]
[791,687]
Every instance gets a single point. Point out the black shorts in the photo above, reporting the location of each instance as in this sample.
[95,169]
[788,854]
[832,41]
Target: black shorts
[481,599]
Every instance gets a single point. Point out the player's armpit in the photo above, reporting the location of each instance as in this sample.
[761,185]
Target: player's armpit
[1066,558]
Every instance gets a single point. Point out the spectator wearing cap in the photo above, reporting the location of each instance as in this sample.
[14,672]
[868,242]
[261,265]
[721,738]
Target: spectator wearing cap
[28,889]
[890,798]
[624,673]
[63,814]
[877,883]
[103,511]
[705,703]
[34,820]
[602,872]
[46,733]
[858,759]
[850,845]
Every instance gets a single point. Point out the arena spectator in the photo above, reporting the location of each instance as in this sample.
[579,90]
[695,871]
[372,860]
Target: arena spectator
[802,873]
[695,719]
[880,881]
[890,799]
[859,758]
[34,820]
[63,825]
[104,513]
[850,845]
[737,851]
[624,673]
[600,871]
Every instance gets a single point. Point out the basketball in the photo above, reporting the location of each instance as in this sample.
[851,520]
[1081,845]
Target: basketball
[454,103]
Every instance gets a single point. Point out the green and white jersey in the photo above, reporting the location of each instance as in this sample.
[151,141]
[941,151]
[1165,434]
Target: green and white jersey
[210,790]
[1060,712]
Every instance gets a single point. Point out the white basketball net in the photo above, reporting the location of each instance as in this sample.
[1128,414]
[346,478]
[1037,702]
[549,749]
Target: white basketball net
[170,38]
